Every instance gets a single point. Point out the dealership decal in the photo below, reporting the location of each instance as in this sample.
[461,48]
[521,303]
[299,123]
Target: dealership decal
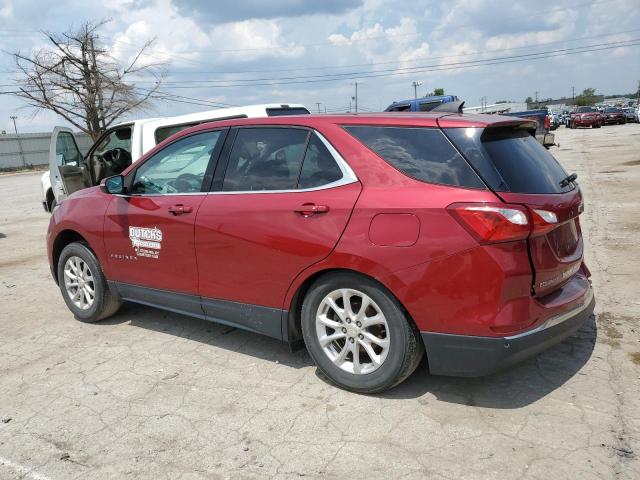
[147,242]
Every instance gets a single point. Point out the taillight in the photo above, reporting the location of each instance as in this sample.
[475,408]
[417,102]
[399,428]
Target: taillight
[547,123]
[543,221]
[492,222]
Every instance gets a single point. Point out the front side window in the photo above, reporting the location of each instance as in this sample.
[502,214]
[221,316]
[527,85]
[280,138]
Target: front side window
[265,159]
[178,168]
[118,138]
[67,152]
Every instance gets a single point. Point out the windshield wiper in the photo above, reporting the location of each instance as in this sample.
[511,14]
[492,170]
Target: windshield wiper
[568,179]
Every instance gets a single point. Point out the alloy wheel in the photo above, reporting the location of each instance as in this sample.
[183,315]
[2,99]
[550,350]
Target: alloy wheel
[79,282]
[352,331]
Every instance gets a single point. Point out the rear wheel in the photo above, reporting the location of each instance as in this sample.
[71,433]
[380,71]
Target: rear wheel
[358,335]
[83,286]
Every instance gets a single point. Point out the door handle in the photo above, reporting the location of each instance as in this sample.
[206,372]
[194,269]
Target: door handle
[180,209]
[309,209]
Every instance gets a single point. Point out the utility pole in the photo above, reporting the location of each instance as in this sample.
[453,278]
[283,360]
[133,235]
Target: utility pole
[573,95]
[355,98]
[483,104]
[318,104]
[24,162]
[537,92]
[415,89]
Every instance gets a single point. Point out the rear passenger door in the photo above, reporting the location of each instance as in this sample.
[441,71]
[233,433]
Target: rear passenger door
[279,204]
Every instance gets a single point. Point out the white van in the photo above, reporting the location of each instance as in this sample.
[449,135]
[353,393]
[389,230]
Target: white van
[125,143]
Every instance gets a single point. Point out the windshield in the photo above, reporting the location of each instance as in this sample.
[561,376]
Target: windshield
[611,110]
[586,109]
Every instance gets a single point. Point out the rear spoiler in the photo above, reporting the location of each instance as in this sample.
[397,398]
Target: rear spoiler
[450,107]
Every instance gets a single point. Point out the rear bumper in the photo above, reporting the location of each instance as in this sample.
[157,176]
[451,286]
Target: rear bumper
[471,356]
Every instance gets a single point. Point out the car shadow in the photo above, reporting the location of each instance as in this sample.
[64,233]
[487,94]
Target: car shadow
[512,388]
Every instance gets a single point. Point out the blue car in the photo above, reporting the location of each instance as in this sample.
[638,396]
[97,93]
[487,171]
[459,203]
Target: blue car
[425,104]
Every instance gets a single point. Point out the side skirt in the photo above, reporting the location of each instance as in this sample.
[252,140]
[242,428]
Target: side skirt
[255,318]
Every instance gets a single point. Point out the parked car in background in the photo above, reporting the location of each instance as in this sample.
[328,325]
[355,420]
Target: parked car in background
[586,117]
[554,120]
[614,115]
[372,238]
[424,104]
[127,142]
[630,114]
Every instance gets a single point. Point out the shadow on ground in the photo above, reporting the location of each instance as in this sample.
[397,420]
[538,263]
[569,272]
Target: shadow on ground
[515,387]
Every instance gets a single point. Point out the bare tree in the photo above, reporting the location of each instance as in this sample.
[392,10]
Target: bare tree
[78,79]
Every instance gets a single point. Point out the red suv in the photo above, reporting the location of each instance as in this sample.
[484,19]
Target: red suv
[372,238]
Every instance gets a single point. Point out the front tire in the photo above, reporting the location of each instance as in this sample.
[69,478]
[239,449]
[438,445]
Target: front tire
[357,333]
[83,286]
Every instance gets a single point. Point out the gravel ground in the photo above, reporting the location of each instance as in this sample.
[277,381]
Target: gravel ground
[149,394]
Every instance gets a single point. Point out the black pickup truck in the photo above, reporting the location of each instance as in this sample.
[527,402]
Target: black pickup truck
[541,116]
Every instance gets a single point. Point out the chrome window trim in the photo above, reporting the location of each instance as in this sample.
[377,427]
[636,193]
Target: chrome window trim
[348,175]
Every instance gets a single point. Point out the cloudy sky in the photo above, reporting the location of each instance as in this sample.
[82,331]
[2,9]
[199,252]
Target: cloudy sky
[256,51]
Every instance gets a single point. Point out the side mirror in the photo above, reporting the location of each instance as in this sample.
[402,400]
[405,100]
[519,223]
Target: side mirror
[114,185]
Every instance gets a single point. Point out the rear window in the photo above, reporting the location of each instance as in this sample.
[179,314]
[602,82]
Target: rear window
[424,154]
[510,160]
[279,112]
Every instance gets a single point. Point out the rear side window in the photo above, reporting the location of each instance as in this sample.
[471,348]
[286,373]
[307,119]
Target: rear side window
[163,133]
[265,159]
[428,106]
[319,167]
[510,160]
[424,154]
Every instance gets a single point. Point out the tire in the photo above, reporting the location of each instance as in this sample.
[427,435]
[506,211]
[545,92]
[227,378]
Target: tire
[105,302]
[404,346]
[53,205]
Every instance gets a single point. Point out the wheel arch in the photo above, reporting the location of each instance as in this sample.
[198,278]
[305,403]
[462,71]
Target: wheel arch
[293,333]
[64,238]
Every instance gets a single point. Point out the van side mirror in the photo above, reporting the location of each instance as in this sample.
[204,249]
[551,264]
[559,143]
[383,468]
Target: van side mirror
[114,185]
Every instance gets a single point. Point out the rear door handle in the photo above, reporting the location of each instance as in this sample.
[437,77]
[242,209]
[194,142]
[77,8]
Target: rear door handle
[180,209]
[309,209]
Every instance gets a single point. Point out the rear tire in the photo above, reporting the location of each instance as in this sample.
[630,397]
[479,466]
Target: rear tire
[83,285]
[380,331]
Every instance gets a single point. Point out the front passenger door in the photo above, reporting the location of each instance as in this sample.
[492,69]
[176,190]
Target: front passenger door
[149,231]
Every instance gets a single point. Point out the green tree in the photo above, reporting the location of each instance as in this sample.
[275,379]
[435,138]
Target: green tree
[528,100]
[438,91]
[587,97]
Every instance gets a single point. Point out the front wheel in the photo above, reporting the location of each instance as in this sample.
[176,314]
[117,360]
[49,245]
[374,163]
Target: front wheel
[357,333]
[83,286]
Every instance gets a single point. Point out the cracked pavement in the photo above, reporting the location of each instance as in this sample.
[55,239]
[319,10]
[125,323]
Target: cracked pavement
[151,394]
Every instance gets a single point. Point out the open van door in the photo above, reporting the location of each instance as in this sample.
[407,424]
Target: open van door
[67,169]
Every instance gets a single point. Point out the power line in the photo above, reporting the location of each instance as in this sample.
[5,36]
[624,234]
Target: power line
[403,71]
